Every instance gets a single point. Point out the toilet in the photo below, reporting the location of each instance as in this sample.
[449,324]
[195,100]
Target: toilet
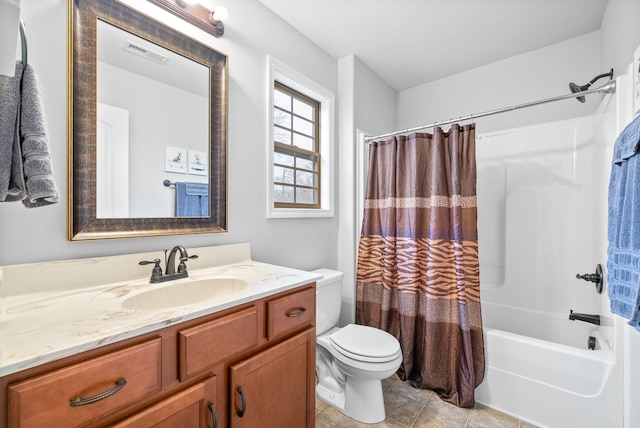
[350,361]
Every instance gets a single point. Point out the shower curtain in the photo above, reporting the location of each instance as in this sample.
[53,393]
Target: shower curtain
[418,271]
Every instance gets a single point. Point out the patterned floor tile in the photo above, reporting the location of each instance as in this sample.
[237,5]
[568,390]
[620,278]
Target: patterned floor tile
[484,417]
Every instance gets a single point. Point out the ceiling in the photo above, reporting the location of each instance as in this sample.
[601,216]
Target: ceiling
[411,42]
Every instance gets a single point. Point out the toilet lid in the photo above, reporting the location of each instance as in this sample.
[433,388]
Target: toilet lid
[365,343]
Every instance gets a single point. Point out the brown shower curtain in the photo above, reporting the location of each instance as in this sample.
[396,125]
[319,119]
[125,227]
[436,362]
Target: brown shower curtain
[418,272]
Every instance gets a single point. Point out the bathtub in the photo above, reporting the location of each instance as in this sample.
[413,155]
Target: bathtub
[546,383]
[541,220]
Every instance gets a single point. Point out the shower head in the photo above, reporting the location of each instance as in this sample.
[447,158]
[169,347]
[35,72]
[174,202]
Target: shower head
[575,88]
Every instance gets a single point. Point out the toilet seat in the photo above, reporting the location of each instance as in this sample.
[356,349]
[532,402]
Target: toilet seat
[367,344]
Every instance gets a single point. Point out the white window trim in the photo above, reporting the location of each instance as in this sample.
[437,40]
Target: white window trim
[278,71]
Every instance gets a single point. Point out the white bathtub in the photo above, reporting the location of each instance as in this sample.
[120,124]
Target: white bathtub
[546,382]
[541,220]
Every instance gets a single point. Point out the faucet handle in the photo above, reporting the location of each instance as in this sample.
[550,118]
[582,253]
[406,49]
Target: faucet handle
[157,270]
[148,262]
[596,278]
[182,267]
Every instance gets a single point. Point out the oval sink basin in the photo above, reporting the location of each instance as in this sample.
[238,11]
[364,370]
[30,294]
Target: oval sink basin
[184,293]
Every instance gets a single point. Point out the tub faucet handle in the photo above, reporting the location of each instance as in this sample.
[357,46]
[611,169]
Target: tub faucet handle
[591,277]
[597,277]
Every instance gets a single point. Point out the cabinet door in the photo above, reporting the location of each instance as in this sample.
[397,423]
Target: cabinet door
[275,388]
[193,407]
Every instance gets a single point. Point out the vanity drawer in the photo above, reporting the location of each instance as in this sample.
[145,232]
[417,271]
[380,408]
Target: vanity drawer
[48,399]
[207,344]
[291,312]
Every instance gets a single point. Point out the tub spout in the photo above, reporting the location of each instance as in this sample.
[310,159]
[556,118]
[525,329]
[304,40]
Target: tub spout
[593,319]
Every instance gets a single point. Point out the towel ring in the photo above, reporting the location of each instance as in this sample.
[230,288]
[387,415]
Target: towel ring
[23,43]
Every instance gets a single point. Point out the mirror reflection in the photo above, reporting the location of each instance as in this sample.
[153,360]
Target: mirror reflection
[152,129]
[169,126]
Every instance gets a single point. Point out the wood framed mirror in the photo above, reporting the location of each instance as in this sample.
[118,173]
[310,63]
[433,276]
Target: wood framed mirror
[147,149]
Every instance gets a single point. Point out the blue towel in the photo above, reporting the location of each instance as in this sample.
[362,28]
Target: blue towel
[623,261]
[192,199]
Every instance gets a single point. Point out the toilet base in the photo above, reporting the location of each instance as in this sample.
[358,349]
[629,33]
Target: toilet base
[361,400]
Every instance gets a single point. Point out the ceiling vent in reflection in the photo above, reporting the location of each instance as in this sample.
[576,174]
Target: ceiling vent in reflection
[134,48]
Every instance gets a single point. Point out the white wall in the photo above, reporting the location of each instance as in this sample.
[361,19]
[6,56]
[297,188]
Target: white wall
[368,104]
[251,32]
[539,74]
[619,34]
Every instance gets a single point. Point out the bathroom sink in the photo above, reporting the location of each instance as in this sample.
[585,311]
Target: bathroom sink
[185,293]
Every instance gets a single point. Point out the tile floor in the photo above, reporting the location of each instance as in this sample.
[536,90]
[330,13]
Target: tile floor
[407,407]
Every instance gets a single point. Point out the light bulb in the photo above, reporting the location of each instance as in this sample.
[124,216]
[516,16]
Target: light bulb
[220,14]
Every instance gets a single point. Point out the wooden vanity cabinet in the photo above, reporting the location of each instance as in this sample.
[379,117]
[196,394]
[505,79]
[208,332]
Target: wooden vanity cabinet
[186,375]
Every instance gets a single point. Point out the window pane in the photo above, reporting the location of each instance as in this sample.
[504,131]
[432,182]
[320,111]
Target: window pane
[281,135]
[304,178]
[281,118]
[303,109]
[305,196]
[283,175]
[303,126]
[303,142]
[282,193]
[304,163]
[296,156]
[283,159]
[282,100]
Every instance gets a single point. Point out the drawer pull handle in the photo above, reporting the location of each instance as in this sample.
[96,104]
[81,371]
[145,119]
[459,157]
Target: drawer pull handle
[296,313]
[240,412]
[214,416]
[79,401]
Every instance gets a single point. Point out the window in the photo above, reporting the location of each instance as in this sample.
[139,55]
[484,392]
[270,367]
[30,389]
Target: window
[296,150]
[300,171]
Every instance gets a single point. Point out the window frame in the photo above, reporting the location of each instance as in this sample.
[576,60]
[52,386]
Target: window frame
[290,78]
[295,150]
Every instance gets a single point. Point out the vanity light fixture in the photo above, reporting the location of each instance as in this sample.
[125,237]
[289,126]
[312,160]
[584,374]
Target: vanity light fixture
[196,14]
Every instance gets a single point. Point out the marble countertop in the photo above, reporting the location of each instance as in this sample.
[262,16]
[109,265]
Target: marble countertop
[43,326]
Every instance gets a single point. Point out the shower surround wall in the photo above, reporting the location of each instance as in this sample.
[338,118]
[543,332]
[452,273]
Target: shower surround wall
[542,193]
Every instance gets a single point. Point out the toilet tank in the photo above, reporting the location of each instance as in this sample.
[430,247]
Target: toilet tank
[328,299]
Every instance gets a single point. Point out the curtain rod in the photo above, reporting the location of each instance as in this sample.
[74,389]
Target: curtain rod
[607,88]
